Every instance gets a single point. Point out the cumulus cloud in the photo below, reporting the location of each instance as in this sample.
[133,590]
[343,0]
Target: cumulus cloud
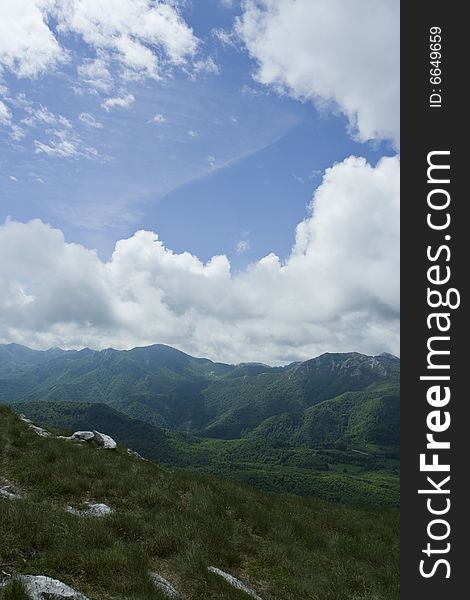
[337,290]
[341,52]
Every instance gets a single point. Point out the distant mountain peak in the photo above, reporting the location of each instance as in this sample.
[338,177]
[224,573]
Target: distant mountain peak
[388,355]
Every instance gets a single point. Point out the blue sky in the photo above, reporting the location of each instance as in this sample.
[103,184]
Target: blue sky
[230,153]
[212,124]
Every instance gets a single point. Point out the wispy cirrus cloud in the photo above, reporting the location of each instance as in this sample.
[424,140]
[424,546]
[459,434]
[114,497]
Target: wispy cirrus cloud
[63,144]
[90,121]
[121,101]
[5,114]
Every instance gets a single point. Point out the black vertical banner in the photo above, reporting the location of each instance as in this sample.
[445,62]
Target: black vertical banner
[435,358]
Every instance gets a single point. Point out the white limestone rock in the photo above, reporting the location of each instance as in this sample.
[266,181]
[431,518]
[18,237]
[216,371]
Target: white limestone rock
[9,491]
[165,586]
[101,439]
[84,436]
[93,509]
[40,587]
[234,582]
[39,430]
[104,441]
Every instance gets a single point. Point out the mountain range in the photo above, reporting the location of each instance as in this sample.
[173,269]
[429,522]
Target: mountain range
[327,426]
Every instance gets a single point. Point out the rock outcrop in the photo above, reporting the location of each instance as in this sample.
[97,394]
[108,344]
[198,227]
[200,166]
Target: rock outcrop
[39,430]
[234,582]
[40,587]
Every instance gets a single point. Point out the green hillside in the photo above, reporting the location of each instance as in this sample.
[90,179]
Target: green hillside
[178,524]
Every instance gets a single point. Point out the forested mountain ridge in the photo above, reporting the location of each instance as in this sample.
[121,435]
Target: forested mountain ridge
[169,388]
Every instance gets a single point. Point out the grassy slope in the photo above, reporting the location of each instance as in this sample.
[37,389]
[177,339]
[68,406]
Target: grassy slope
[179,523]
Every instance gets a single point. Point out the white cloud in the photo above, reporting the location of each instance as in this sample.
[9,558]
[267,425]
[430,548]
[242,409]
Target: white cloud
[17,133]
[140,35]
[61,138]
[226,38]
[5,114]
[158,118]
[142,38]
[43,116]
[228,3]
[123,101]
[338,289]
[243,246]
[63,144]
[28,47]
[95,73]
[341,52]
[90,121]
[205,65]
